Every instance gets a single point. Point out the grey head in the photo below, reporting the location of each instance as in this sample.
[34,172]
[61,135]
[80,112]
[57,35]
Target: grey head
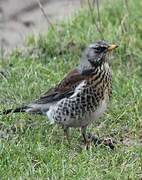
[96,53]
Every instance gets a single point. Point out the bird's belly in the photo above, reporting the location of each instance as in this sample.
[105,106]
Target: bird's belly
[100,110]
[78,120]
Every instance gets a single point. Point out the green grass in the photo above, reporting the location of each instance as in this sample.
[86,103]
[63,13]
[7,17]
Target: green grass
[39,151]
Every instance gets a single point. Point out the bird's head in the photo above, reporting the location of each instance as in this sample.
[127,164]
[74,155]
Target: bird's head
[96,53]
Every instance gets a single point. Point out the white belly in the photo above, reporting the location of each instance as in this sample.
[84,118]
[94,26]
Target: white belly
[79,121]
[100,110]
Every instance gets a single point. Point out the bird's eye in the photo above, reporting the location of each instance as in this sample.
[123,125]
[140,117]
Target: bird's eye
[97,48]
[100,49]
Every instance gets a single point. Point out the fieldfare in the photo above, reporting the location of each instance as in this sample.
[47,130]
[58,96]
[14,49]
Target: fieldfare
[82,96]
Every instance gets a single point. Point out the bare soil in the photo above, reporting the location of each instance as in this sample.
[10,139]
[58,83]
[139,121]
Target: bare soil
[19,18]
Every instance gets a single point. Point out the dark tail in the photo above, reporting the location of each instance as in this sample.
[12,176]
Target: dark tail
[32,108]
[17,110]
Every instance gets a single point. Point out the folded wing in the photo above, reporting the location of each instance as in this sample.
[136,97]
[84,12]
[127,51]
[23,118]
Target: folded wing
[64,89]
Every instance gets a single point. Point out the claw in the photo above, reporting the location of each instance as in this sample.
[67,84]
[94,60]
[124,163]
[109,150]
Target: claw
[98,141]
[109,142]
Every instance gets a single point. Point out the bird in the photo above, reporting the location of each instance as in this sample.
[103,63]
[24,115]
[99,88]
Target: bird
[83,94]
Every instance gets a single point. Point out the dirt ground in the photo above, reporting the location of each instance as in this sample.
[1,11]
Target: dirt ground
[19,18]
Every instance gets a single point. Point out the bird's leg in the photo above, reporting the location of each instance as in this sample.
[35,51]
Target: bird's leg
[83,132]
[86,140]
[66,133]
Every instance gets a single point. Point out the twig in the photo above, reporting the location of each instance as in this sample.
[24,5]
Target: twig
[91,10]
[2,50]
[126,6]
[44,14]
[127,12]
[98,25]
[98,11]
[121,25]
[124,24]
[99,19]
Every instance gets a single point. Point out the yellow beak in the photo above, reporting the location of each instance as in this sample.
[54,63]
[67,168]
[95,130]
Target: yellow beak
[112,46]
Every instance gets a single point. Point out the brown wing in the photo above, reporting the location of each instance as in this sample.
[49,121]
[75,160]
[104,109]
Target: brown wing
[64,89]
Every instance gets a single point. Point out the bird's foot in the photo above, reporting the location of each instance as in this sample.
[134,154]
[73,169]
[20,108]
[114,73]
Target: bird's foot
[108,142]
[91,139]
